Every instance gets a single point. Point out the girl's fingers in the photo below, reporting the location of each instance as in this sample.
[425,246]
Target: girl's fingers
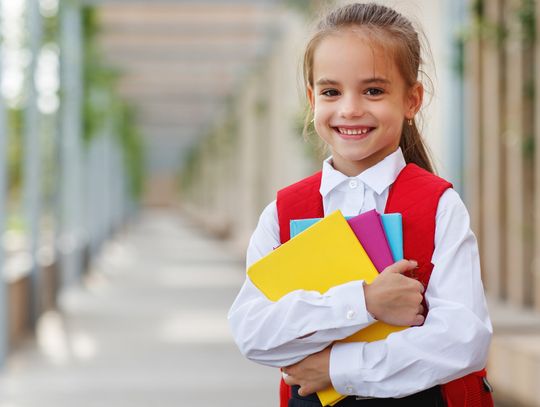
[418,320]
[401,266]
[288,379]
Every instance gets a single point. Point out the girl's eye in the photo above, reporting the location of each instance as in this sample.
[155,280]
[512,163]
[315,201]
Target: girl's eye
[330,92]
[374,92]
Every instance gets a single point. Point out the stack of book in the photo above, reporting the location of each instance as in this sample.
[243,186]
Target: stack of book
[331,251]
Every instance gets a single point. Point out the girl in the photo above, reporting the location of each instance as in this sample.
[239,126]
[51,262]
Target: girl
[361,71]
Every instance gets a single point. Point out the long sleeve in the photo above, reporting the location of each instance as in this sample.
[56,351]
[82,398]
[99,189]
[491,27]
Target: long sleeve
[455,337]
[299,324]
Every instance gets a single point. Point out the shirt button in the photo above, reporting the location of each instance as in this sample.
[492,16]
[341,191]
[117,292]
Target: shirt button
[353,183]
[351,314]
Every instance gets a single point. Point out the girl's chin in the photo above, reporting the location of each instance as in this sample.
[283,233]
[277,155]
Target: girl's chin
[350,160]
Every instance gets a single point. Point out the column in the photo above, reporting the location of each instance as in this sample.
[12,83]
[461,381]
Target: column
[71,202]
[4,334]
[493,174]
[32,163]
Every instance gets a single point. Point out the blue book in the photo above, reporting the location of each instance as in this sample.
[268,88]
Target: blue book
[392,225]
[393,228]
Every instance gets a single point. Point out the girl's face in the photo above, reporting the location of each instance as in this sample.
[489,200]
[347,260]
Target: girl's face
[360,101]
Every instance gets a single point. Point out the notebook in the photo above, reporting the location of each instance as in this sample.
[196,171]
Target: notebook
[369,230]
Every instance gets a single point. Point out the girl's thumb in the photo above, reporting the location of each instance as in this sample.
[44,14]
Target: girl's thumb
[401,266]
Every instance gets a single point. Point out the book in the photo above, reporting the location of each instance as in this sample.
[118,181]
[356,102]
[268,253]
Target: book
[369,230]
[324,255]
[393,228]
[303,262]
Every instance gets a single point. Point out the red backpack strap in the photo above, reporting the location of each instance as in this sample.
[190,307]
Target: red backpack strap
[284,393]
[472,390]
[419,217]
[301,200]
[415,194]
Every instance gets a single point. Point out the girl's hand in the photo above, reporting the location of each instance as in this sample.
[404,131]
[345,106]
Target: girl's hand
[394,298]
[312,374]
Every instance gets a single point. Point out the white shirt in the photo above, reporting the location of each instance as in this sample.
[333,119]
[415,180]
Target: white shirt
[453,341]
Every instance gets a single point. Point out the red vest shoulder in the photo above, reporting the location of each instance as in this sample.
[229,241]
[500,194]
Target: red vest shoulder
[300,200]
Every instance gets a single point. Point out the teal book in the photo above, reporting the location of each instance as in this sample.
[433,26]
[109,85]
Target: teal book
[393,228]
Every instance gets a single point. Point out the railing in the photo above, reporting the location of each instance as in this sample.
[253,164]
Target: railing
[76,186]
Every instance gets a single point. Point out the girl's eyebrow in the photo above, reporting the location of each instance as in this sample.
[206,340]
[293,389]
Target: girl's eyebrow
[327,81]
[376,80]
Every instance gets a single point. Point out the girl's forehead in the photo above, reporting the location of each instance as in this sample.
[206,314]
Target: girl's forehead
[353,49]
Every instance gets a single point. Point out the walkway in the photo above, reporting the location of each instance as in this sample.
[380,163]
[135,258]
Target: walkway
[148,329]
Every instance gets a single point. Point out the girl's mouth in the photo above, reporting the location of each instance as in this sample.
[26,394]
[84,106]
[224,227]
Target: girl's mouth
[353,133]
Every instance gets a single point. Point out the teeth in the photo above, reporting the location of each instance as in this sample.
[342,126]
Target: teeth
[352,132]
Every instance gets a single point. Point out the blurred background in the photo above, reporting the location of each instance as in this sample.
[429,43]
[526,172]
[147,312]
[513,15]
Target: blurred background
[140,141]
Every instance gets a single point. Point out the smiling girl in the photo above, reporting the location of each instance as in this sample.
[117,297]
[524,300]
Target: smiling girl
[361,71]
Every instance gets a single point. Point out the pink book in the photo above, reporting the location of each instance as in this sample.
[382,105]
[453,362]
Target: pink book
[369,230]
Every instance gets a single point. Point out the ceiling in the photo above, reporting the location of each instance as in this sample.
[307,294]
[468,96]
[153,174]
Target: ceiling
[179,60]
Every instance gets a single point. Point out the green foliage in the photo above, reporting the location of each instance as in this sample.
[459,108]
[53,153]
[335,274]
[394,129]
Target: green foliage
[529,147]
[518,24]
[477,9]
[15,222]
[99,79]
[529,89]
[483,28]
[50,29]
[188,172]
[101,101]
[15,119]
[458,64]
[132,146]
[527,19]
[497,32]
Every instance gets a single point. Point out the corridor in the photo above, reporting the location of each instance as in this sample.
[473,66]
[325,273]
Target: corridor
[146,328]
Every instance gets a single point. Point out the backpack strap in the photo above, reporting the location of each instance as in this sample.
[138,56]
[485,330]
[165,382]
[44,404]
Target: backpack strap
[300,200]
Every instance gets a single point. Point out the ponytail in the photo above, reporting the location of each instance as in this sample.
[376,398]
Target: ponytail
[413,147]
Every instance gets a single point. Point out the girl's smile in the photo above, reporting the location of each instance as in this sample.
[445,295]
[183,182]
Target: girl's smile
[352,132]
[360,100]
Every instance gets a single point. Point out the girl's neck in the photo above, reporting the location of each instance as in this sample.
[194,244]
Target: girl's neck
[355,168]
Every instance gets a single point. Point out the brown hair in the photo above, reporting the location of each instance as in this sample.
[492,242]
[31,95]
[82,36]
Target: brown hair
[396,33]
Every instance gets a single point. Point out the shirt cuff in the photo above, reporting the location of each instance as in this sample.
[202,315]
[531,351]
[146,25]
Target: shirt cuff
[349,364]
[342,356]
[352,309]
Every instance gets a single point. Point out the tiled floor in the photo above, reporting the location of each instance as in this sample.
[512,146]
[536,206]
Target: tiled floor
[147,329]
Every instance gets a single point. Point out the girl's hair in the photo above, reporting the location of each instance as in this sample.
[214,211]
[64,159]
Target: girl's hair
[388,29]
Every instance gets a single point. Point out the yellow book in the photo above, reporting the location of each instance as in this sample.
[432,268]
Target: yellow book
[323,256]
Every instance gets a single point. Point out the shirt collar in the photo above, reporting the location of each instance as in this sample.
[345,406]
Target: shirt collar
[378,178]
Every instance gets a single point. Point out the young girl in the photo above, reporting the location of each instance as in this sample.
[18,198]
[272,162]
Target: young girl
[361,71]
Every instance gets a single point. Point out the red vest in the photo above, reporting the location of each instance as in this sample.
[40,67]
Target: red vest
[415,194]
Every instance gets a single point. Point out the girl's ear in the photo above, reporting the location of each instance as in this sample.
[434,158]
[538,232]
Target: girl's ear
[415,99]
[310,96]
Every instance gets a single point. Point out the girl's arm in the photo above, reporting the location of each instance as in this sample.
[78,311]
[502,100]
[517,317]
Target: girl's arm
[456,335]
[299,324]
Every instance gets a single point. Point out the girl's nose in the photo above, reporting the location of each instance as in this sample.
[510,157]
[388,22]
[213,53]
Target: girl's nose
[350,107]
